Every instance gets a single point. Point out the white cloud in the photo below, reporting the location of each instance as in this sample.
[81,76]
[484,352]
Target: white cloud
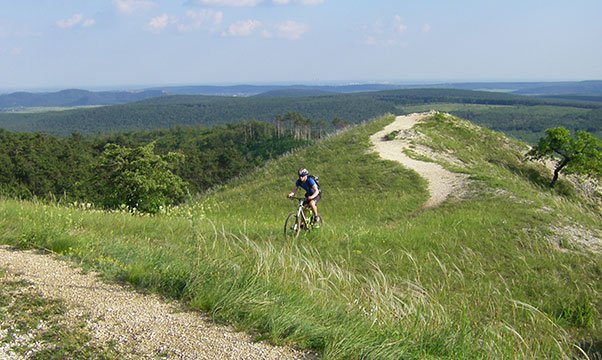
[291,30]
[232,3]
[88,22]
[198,19]
[194,20]
[386,33]
[160,22]
[426,28]
[132,6]
[242,28]
[399,25]
[75,20]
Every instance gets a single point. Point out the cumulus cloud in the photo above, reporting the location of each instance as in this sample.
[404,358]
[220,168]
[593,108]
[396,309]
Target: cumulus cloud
[132,6]
[291,30]
[75,20]
[193,20]
[160,22]
[198,19]
[286,30]
[386,33]
[242,28]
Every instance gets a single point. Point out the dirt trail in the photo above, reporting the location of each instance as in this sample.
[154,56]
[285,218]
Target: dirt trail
[441,182]
[145,326]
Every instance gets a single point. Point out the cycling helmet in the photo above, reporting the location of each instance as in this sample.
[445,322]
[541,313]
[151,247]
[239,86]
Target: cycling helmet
[303,172]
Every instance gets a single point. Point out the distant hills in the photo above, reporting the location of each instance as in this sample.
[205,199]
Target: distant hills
[73,98]
[582,90]
[326,110]
[589,87]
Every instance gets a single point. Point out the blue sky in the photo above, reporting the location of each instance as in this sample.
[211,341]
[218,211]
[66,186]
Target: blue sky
[51,44]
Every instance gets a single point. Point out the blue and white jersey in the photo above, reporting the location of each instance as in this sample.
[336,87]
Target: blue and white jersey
[308,185]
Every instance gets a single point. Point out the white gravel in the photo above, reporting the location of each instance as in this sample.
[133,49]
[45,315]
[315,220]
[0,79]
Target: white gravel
[441,182]
[144,326]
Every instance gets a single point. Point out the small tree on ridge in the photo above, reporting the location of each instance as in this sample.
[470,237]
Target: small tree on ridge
[578,154]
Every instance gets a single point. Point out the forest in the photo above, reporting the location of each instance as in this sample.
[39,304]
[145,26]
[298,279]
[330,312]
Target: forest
[48,166]
[189,110]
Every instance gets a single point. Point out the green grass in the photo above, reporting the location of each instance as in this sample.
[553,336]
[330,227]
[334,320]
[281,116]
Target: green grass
[383,278]
[527,123]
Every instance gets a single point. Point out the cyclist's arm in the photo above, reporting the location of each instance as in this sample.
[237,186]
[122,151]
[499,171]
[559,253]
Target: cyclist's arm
[293,191]
[315,194]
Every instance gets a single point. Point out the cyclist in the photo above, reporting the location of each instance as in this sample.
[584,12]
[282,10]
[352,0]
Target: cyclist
[312,193]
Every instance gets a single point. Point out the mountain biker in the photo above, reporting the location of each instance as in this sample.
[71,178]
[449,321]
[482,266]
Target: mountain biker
[312,193]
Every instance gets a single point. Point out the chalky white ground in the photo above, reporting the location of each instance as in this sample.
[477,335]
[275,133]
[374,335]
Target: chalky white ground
[145,326]
[441,182]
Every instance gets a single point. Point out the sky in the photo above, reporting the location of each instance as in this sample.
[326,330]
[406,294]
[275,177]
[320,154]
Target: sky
[115,44]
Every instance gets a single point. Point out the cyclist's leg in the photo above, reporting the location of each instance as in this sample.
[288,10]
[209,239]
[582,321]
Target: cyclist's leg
[314,207]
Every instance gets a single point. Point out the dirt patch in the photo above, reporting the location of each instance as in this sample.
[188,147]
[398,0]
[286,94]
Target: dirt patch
[144,326]
[441,182]
[576,236]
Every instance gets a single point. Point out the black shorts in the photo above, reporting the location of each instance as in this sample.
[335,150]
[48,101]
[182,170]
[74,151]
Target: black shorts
[316,199]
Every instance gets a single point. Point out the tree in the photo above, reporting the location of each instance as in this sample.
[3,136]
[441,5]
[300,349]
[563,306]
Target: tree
[339,123]
[137,178]
[580,154]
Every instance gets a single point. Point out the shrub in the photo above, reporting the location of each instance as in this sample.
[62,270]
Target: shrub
[137,178]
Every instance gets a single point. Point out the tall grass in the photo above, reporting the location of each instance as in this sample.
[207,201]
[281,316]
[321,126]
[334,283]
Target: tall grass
[383,278]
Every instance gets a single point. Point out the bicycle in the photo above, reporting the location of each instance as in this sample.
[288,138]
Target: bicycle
[300,219]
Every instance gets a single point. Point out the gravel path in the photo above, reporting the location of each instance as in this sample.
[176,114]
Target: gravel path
[441,182]
[145,326]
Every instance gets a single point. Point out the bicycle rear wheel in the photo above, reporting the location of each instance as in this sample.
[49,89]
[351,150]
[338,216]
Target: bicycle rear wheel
[292,226]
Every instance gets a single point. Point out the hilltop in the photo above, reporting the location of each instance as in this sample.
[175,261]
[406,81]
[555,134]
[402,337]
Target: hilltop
[505,268]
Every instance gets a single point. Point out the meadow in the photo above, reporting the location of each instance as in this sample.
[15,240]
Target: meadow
[477,277]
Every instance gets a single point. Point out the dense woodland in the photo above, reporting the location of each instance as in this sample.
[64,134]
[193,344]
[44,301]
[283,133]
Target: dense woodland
[45,166]
[328,110]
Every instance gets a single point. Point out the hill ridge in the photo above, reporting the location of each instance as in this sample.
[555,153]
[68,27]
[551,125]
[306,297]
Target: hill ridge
[441,182]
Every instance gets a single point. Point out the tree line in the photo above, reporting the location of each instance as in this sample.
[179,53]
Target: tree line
[95,168]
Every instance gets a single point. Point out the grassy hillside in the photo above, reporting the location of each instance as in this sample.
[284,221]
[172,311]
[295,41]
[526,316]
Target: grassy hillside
[485,275]
[527,123]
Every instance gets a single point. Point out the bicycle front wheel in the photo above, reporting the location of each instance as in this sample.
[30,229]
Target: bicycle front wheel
[292,226]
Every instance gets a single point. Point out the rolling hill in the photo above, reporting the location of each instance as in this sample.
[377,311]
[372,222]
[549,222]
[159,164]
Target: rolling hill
[72,98]
[77,97]
[189,110]
[506,268]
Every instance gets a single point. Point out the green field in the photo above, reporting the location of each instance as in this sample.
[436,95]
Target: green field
[481,276]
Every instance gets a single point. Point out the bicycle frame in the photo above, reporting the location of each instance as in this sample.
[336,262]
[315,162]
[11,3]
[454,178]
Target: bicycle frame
[298,220]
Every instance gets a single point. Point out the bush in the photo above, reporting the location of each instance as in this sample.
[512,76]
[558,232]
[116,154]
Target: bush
[137,178]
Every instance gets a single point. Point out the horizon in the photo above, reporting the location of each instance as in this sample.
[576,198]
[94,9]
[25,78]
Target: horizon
[140,87]
[142,43]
